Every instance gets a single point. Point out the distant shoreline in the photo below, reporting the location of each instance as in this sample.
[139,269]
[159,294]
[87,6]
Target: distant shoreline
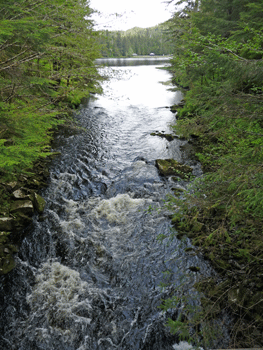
[138,56]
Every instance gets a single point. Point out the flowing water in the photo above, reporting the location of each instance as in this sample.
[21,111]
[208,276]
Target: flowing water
[88,275]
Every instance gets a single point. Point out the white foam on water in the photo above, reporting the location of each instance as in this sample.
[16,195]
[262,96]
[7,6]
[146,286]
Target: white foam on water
[58,296]
[116,209]
[70,227]
[73,223]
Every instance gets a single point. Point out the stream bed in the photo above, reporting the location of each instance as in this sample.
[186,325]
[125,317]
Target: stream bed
[88,275]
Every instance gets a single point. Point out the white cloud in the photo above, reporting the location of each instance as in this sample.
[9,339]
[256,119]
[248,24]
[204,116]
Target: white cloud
[122,15]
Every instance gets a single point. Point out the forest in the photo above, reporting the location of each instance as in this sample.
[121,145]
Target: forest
[47,65]
[217,62]
[136,41]
[45,69]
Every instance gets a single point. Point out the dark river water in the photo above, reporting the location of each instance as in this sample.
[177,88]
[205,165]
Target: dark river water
[88,275]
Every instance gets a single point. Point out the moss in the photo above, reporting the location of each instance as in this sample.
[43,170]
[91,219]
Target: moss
[39,203]
[169,167]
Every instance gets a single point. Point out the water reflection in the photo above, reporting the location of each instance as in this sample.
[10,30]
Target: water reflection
[133,61]
[137,86]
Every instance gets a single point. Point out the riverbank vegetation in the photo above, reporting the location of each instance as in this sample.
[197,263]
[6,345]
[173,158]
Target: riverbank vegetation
[218,62]
[47,53]
[136,41]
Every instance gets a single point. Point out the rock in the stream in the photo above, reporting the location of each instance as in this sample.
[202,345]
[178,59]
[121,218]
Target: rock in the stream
[172,167]
[39,203]
[168,137]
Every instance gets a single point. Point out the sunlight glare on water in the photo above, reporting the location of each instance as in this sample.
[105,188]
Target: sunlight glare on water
[138,87]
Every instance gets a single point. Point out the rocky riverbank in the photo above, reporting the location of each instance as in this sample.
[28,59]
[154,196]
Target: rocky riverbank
[20,199]
[19,202]
[235,251]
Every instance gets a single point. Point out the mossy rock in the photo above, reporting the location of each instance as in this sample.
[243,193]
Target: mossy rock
[169,167]
[39,203]
[22,207]
[168,137]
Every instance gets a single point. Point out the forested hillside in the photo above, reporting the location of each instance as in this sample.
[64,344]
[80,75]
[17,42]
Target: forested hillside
[139,41]
[218,62]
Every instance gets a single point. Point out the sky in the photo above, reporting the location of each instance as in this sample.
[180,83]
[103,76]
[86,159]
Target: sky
[126,14]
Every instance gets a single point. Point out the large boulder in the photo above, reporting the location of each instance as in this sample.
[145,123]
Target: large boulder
[22,207]
[27,194]
[172,167]
[39,203]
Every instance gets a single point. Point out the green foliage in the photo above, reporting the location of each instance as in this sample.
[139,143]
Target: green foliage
[47,53]
[193,321]
[224,104]
[218,53]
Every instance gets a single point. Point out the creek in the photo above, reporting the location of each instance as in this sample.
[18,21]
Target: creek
[88,275]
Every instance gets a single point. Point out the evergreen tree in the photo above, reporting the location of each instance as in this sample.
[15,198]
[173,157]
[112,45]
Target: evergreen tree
[47,53]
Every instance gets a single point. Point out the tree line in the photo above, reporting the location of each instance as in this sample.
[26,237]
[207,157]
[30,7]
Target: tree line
[136,41]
